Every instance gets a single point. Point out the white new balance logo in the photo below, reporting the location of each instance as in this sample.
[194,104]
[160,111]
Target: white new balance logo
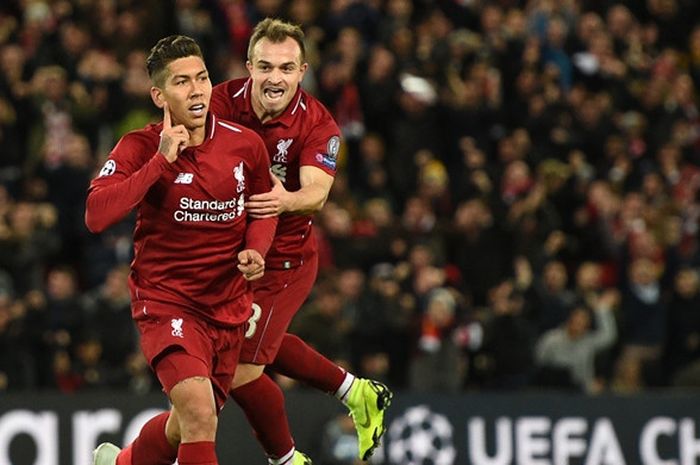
[176,323]
[184,178]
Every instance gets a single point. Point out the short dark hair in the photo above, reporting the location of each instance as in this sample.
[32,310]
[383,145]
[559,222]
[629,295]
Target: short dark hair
[277,31]
[167,50]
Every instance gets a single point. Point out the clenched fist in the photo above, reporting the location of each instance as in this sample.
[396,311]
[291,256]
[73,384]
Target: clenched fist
[251,264]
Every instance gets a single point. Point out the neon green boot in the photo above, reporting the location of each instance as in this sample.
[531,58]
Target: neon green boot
[300,458]
[367,402]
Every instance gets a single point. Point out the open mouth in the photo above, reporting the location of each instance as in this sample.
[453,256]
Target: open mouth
[273,93]
[197,109]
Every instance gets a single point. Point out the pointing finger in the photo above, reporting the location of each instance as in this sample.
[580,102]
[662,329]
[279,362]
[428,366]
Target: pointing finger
[167,122]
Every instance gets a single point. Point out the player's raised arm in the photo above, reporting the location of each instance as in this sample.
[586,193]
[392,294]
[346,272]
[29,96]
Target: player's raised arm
[131,169]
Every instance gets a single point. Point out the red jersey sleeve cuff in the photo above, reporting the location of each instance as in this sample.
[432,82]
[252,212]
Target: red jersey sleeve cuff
[163,162]
[260,234]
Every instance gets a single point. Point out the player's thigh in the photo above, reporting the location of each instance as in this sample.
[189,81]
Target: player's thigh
[179,346]
[277,300]
[168,331]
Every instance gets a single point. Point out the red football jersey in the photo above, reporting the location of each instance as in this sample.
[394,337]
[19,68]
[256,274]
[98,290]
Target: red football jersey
[305,134]
[191,222]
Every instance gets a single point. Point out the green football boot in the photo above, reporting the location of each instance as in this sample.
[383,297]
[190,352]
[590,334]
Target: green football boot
[105,454]
[300,458]
[367,402]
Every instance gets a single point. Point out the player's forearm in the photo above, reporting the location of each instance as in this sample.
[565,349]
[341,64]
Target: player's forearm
[108,204]
[308,199]
[260,233]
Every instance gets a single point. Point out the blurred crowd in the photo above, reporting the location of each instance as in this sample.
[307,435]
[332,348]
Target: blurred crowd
[517,205]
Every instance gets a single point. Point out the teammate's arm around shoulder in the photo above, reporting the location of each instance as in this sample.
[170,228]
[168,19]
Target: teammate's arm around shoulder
[310,198]
[318,163]
[315,187]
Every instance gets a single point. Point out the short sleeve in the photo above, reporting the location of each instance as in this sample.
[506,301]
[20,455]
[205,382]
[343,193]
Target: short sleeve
[322,145]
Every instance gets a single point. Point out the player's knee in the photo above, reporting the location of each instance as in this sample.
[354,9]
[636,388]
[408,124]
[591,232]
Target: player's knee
[246,373]
[172,429]
[197,421]
[193,402]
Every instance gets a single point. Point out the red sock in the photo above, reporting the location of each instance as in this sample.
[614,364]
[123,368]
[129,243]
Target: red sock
[124,456]
[197,453]
[263,403]
[297,360]
[151,446]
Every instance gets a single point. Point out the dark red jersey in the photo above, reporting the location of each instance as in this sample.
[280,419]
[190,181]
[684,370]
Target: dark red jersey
[305,134]
[191,222]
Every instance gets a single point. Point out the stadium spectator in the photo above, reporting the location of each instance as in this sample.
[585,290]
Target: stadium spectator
[439,365]
[683,334]
[572,347]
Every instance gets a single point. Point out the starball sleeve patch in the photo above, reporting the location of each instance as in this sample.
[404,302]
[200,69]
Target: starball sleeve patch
[333,147]
[329,159]
[108,169]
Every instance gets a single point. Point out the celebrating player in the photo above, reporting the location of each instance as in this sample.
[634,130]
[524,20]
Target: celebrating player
[194,248]
[303,142]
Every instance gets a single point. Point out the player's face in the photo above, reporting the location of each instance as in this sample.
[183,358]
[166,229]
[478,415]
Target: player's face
[187,91]
[276,70]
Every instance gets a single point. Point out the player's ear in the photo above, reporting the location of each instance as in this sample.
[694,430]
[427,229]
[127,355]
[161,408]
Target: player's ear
[249,65]
[157,97]
[304,66]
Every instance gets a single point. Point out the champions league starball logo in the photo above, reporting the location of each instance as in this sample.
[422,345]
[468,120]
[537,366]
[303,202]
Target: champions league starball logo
[421,437]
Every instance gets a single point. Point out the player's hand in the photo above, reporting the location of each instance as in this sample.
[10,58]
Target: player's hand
[173,140]
[251,264]
[269,204]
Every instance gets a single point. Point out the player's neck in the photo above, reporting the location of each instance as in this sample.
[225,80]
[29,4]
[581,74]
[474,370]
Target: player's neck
[196,136]
[262,115]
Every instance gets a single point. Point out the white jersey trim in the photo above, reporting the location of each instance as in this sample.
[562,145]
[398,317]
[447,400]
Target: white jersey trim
[213,125]
[228,126]
[298,104]
[240,91]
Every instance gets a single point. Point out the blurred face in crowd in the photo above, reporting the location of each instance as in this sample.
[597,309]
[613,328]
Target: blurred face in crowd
[61,284]
[381,64]
[440,311]
[351,282]
[694,43]
[276,71]
[555,276]
[643,272]
[578,323]
[588,276]
[687,283]
[187,91]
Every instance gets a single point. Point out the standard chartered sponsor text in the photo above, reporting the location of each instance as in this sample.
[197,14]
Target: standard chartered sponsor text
[194,210]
